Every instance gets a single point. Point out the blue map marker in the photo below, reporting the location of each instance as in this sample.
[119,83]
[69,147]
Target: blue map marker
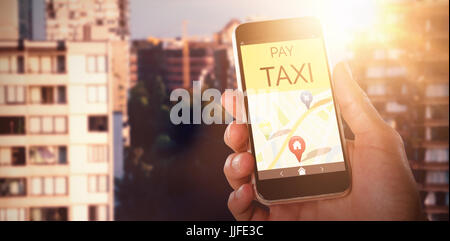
[306,97]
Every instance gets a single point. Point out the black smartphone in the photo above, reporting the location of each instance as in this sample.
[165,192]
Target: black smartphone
[296,134]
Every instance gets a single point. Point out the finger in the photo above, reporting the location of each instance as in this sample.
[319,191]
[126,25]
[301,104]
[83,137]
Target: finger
[242,206]
[350,146]
[238,168]
[354,104]
[236,137]
[233,102]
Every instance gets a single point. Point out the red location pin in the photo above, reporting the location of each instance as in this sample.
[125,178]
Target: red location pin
[297,146]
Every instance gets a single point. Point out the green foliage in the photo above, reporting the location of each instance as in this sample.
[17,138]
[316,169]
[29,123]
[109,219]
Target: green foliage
[167,171]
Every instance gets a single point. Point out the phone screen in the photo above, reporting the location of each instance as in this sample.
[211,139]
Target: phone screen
[291,108]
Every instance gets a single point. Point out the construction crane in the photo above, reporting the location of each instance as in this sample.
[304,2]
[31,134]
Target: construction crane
[186,67]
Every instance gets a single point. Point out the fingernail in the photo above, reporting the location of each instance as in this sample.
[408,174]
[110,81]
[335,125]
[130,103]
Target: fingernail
[348,68]
[239,192]
[228,132]
[235,163]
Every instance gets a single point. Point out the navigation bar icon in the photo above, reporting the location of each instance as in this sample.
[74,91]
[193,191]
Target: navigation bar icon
[301,171]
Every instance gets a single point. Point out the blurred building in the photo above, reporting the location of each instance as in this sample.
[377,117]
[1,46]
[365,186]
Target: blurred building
[145,60]
[99,20]
[9,19]
[200,59]
[224,38]
[63,113]
[87,20]
[164,57]
[403,65]
[26,19]
[56,130]
[210,60]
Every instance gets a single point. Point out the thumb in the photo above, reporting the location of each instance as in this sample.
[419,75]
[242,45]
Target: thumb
[354,104]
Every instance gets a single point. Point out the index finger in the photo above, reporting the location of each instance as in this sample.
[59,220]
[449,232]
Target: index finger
[233,102]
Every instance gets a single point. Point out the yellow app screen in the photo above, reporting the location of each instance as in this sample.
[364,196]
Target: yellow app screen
[291,108]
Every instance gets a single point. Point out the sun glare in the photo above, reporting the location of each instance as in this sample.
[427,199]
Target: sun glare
[341,19]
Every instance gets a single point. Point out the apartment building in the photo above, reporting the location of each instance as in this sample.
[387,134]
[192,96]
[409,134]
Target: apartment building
[200,59]
[25,19]
[56,130]
[9,19]
[98,20]
[224,38]
[403,65]
[87,20]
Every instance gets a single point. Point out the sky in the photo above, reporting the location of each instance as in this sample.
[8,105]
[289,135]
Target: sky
[163,18]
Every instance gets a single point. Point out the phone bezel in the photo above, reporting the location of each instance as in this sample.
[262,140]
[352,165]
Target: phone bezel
[299,187]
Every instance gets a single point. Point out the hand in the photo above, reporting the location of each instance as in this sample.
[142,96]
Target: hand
[383,187]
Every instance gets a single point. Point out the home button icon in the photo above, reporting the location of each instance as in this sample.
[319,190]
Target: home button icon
[301,171]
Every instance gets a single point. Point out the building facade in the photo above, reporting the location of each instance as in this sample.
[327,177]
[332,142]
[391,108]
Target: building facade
[403,66]
[95,20]
[87,20]
[9,20]
[56,131]
[200,61]
[98,20]
[25,19]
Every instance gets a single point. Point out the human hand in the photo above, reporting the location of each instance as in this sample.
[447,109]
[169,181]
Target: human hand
[383,187]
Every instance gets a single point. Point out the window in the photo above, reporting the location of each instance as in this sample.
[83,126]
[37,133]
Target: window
[437,155]
[48,124]
[96,64]
[61,64]
[437,90]
[12,156]
[376,89]
[12,94]
[437,133]
[98,183]
[395,107]
[437,112]
[396,71]
[62,155]
[98,153]
[96,94]
[20,65]
[98,123]
[436,177]
[47,94]
[12,187]
[61,95]
[4,64]
[12,214]
[86,32]
[13,125]
[33,64]
[48,214]
[98,213]
[45,64]
[8,64]
[71,14]
[47,155]
[375,72]
[48,186]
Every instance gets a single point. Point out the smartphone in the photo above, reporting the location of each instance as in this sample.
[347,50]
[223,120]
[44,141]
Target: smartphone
[296,134]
